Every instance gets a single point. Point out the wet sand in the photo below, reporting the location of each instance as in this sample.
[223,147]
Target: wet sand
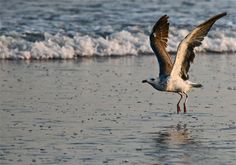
[97,111]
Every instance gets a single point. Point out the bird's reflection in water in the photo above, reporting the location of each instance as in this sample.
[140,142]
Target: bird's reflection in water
[172,145]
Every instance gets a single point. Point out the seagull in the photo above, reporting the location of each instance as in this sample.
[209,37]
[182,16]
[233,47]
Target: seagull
[173,77]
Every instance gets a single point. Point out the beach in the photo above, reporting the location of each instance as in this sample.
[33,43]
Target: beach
[71,90]
[95,111]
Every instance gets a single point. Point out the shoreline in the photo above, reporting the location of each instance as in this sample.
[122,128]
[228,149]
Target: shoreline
[115,56]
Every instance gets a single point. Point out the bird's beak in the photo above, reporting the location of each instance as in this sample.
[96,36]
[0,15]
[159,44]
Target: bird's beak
[144,81]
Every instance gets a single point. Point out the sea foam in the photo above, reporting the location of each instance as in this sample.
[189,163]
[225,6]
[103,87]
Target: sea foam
[61,46]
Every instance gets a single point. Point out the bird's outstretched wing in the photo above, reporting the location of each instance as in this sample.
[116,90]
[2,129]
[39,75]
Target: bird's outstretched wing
[185,54]
[158,42]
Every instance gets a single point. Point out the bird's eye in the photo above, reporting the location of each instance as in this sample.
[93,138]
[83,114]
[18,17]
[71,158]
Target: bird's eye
[152,79]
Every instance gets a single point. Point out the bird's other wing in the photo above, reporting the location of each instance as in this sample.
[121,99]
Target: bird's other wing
[185,54]
[158,42]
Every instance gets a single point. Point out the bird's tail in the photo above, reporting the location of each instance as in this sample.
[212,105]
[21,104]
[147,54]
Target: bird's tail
[195,85]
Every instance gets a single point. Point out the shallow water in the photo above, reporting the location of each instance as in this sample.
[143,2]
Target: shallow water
[97,111]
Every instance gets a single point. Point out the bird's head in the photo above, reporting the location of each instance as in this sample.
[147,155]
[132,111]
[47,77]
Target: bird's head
[149,80]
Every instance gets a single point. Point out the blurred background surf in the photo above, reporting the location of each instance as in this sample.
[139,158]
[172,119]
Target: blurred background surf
[65,29]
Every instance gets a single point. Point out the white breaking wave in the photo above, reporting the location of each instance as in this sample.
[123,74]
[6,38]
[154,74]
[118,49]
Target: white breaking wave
[121,43]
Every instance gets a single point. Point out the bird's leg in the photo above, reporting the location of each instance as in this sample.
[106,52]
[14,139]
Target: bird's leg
[178,107]
[186,99]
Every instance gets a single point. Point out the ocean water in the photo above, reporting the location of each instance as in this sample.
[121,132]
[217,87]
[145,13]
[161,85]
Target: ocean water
[66,29]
